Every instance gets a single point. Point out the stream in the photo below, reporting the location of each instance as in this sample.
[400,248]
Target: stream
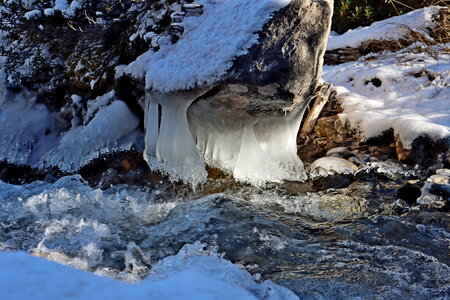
[358,242]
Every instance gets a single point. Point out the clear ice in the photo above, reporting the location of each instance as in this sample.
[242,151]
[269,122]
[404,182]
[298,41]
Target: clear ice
[187,134]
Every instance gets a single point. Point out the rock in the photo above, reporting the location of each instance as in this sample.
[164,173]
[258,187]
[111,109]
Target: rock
[192,10]
[410,191]
[330,165]
[424,151]
[290,49]
[436,191]
[336,181]
[341,152]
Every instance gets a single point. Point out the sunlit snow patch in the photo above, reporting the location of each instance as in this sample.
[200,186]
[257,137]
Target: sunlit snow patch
[405,91]
[392,29]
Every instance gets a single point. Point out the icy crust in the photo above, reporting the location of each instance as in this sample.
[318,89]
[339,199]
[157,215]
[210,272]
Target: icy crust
[392,29]
[192,274]
[208,45]
[23,130]
[28,132]
[110,130]
[406,91]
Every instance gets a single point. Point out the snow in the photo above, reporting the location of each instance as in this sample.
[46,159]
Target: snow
[330,165]
[413,98]
[192,274]
[2,77]
[61,5]
[391,29]
[208,45]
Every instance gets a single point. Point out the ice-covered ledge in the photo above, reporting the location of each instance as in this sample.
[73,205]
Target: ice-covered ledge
[256,58]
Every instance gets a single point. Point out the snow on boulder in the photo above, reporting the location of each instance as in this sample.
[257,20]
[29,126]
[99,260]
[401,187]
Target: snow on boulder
[242,70]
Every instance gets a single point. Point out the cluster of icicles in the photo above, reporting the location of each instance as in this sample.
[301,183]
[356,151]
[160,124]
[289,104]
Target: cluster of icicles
[181,137]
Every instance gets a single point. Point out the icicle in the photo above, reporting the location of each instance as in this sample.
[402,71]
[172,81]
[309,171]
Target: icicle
[2,81]
[176,154]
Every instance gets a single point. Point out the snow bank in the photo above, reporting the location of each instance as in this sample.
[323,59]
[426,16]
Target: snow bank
[192,274]
[391,29]
[406,91]
[208,45]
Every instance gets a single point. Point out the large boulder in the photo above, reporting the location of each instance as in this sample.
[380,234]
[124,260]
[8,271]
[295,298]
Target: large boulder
[244,107]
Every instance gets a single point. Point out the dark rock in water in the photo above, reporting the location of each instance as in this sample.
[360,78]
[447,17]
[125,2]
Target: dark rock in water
[336,181]
[410,191]
[424,151]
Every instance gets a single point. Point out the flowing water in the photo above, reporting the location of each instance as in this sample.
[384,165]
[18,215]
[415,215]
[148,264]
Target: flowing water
[354,243]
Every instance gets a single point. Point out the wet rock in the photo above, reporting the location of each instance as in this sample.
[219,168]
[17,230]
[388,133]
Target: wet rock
[329,165]
[410,191]
[341,152]
[424,151]
[336,181]
[436,191]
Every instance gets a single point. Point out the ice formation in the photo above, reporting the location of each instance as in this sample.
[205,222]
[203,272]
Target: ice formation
[112,128]
[25,129]
[255,149]
[28,135]
[169,145]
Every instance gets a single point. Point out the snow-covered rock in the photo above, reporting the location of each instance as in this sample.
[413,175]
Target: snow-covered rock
[405,91]
[331,165]
[273,60]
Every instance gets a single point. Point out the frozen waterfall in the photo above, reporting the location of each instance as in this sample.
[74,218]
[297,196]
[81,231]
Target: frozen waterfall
[183,134]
